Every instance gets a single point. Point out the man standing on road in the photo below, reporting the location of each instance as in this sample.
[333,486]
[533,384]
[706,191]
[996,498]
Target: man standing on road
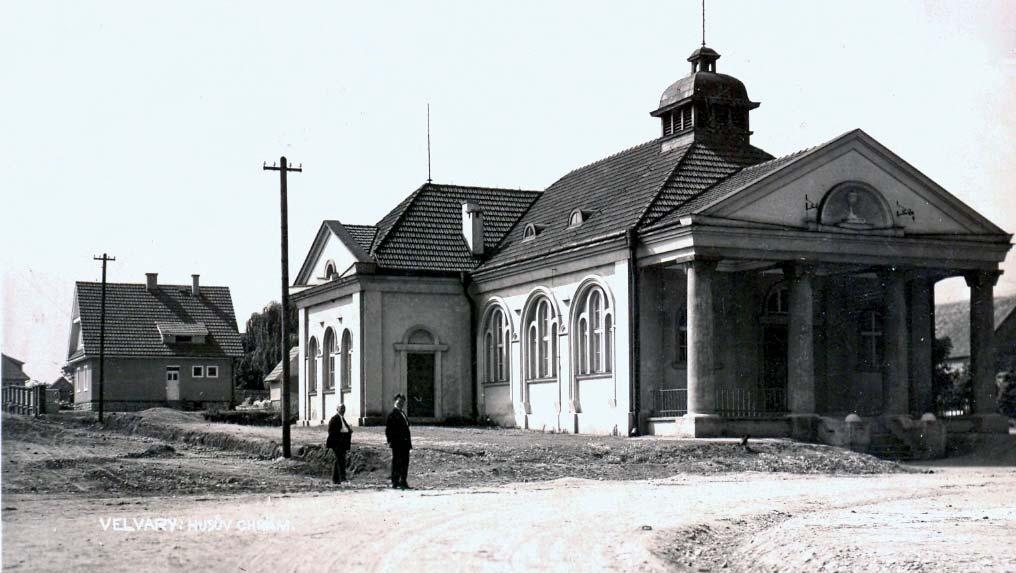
[400,441]
[339,437]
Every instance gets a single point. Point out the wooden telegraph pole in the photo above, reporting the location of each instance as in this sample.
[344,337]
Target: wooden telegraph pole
[102,331]
[283,168]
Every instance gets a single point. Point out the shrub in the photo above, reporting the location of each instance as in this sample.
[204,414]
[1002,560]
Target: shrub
[245,417]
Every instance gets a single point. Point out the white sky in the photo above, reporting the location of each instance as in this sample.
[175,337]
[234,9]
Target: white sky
[139,128]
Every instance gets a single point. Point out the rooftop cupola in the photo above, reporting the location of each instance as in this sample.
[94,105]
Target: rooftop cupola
[705,105]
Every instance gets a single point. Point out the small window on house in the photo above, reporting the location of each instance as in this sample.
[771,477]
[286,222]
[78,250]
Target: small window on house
[576,218]
[330,272]
[197,371]
[530,233]
[211,371]
[172,373]
[184,338]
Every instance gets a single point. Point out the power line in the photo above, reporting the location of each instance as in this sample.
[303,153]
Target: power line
[283,169]
[102,333]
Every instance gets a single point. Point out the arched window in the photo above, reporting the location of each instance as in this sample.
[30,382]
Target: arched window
[870,334]
[778,300]
[496,332]
[330,272]
[329,358]
[312,351]
[541,341]
[594,342]
[347,360]
[681,337]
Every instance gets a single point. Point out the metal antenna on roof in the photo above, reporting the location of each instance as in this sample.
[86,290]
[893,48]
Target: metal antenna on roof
[703,22]
[102,332]
[428,143]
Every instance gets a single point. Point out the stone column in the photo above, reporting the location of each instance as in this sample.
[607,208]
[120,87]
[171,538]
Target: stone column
[801,341]
[701,359]
[922,338]
[895,381]
[982,340]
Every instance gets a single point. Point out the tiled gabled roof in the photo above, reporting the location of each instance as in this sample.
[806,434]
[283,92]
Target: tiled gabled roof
[425,231]
[633,188]
[952,320]
[363,235]
[276,374]
[11,369]
[702,168]
[133,314]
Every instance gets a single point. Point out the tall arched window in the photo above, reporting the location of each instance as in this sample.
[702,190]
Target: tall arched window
[347,360]
[496,332]
[594,343]
[312,351]
[329,356]
[541,341]
[330,272]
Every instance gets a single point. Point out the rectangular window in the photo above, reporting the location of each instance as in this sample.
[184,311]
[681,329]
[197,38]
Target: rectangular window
[184,338]
[172,373]
[197,371]
[211,371]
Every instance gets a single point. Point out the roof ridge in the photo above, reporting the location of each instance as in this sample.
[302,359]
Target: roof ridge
[143,285]
[439,186]
[656,196]
[402,207]
[608,157]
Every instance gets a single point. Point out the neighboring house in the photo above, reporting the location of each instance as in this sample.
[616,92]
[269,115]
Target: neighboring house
[693,285]
[64,387]
[12,374]
[165,345]
[274,381]
[952,320]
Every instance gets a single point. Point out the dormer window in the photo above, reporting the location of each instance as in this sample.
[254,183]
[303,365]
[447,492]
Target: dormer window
[576,218]
[530,233]
[174,332]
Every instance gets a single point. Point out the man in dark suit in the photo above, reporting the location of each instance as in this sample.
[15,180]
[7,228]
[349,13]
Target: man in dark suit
[340,435]
[400,441]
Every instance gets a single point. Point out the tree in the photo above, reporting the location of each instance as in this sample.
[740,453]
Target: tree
[1006,381]
[952,388]
[261,345]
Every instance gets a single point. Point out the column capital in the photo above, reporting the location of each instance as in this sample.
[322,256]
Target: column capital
[982,278]
[703,264]
[797,269]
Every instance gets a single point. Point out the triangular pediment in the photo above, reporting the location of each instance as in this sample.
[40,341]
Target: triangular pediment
[333,247]
[851,184]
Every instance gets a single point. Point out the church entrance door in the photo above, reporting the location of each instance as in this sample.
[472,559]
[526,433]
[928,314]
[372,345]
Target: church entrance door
[774,357]
[420,384]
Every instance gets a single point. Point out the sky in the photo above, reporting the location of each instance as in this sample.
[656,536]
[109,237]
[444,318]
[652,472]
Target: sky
[139,129]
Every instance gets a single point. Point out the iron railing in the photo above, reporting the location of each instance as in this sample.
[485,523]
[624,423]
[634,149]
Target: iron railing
[751,402]
[670,402]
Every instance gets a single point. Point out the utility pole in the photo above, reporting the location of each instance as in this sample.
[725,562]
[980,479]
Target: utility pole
[102,331]
[283,168]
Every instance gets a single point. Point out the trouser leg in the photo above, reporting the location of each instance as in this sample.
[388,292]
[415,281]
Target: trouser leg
[336,470]
[341,460]
[395,466]
[405,467]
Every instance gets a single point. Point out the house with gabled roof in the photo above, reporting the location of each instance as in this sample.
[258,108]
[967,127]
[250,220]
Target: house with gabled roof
[952,321]
[691,285]
[13,371]
[165,345]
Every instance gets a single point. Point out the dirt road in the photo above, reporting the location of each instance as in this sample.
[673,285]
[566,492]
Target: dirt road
[957,520]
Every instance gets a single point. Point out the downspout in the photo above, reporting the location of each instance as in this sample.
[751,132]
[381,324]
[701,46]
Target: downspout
[634,396]
[466,281]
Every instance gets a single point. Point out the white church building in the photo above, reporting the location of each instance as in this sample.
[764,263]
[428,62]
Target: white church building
[691,285]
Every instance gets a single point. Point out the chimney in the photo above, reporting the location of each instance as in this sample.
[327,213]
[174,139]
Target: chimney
[472,227]
[195,285]
[153,281]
